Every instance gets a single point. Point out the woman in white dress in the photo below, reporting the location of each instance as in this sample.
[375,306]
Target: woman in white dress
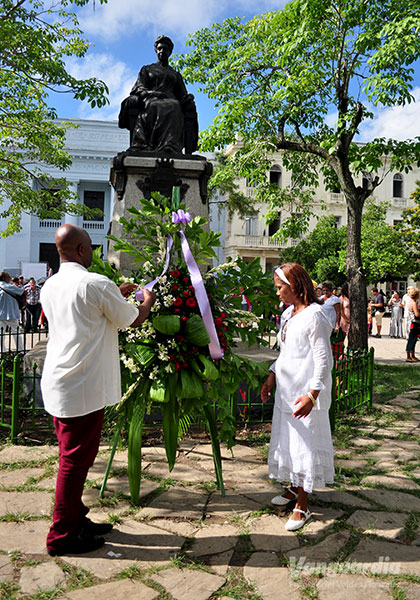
[301,449]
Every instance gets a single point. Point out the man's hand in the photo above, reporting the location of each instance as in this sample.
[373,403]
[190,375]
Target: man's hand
[149,297]
[305,407]
[127,288]
[267,387]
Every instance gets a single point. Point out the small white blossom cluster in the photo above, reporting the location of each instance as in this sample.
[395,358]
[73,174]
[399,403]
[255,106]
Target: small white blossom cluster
[146,331]
[130,363]
[162,243]
[154,372]
[148,267]
[163,352]
[219,268]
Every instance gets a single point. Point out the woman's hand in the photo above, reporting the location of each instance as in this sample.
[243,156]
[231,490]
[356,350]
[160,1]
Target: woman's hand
[267,387]
[305,407]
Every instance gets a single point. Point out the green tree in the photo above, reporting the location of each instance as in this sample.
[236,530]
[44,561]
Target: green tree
[319,251]
[409,230]
[383,249]
[277,77]
[35,42]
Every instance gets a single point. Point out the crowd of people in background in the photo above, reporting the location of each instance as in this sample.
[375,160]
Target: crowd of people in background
[20,308]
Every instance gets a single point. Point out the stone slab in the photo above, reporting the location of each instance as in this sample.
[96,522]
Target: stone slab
[121,484]
[350,586]
[263,571]
[43,577]
[267,534]
[14,454]
[182,528]
[133,543]
[116,590]
[391,480]
[412,591]
[18,477]
[322,552]
[231,504]
[333,496]
[393,500]
[185,584]
[382,557]
[215,539]
[32,503]
[6,569]
[184,470]
[219,563]
[385,524]
[177,503]
[351,463]
[361,442]
[27,537]
[47,484]
[321,521]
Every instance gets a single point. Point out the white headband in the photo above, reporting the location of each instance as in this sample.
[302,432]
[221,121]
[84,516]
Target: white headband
[280,273]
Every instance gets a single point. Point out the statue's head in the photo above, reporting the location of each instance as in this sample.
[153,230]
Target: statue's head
[164,40]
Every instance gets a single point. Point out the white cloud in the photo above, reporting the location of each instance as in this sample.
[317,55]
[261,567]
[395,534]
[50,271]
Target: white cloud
[174,17]
[396,122]
[115,73]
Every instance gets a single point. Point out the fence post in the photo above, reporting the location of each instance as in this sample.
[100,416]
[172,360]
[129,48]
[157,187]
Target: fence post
[15,399]
[371,363]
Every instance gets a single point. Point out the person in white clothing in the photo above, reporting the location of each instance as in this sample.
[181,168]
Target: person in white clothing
[81,376]
[301,449]
[332,305]
[405,301]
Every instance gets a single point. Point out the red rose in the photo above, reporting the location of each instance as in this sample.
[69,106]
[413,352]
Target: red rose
[185,365]
[178,301]
[185,279]
[220,334]
[190,302]
[191,288]
[175,273]
[179,338]
[224,327]
[223,315]
[175,286]
[186,293]
[177,310]
[218,321]
[177,366]
[195,350]
[184,319]
[171,357]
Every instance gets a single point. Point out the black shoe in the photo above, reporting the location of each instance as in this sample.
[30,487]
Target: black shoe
[90,528]
[377,336]
[80,545]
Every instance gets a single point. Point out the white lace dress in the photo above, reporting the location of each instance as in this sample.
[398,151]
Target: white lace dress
[301,450]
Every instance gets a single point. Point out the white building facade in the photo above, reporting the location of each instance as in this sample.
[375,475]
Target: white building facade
[91,146]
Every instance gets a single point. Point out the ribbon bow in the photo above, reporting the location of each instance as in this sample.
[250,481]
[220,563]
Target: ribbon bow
[180,216]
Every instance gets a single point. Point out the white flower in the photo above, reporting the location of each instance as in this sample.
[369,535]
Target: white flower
[147,267]
[168,301]
[169,368]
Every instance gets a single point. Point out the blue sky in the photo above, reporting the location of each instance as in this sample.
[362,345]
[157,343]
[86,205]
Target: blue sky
[122,34]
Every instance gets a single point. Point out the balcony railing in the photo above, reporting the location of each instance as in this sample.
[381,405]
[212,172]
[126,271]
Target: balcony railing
[256,241]
[49,224]
[94,225]
[399,202]
[336,198]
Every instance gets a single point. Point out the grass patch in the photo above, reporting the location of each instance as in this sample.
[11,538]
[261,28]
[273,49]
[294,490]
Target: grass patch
[392,380]
[237,587]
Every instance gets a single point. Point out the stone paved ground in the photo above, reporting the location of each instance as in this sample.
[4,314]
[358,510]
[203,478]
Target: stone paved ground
[187,542]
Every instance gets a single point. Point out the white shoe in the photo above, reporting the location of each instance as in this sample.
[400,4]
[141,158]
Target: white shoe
[281,500]
[292,525]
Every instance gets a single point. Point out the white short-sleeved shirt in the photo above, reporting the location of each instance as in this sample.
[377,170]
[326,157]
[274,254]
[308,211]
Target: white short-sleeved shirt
[329,309]
[82,371]
[305,359]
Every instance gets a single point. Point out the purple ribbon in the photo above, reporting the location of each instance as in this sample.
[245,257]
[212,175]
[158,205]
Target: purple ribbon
[202,299]
[180,216]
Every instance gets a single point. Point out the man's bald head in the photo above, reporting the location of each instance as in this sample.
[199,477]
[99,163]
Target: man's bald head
[73,244]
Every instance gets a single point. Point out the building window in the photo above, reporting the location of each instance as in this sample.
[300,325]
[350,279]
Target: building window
[397,186]
[275,175]
[337,222]
[94,199]
[274,225]
[251,222]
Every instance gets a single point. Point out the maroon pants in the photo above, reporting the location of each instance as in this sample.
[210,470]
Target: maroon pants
[78,443]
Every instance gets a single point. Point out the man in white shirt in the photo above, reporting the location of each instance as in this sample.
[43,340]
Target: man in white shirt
[405,302]
[81,376]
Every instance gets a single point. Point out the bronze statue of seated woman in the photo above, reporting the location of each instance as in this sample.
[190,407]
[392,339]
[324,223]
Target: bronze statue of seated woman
[159,113]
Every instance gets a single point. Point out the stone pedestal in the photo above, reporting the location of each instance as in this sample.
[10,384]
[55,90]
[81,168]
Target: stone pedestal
[137,176]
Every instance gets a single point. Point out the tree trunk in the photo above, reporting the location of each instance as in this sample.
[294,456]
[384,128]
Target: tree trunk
[358,334]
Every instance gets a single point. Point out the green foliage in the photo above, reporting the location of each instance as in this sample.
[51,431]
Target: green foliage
[409,230]
[35,43]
